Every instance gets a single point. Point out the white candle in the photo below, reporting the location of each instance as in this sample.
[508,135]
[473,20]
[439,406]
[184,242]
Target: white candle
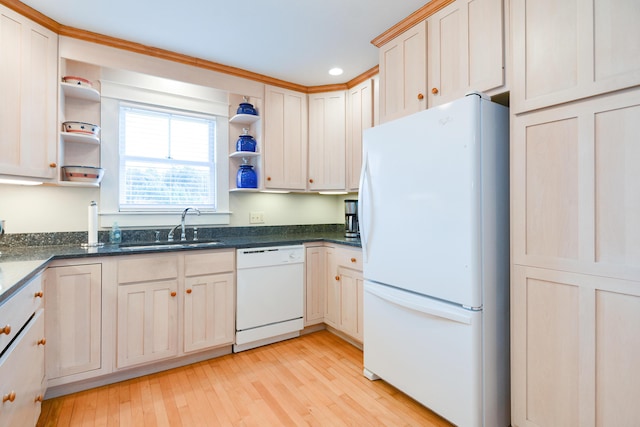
[93,224]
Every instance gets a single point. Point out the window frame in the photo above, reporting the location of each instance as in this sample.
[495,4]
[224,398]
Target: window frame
[181,97]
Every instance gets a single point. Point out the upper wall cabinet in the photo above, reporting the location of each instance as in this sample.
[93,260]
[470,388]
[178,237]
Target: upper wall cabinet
[466,50]
[285,139]
[28,88]
[327,141]
[572,49]
[403,74]
[359,118]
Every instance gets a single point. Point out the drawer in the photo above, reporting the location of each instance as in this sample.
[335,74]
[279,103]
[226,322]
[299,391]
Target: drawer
[145,268]
[201,263]
[22,371]
[16,311]
[348,257]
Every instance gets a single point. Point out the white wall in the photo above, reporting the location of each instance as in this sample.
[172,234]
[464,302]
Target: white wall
[42,209]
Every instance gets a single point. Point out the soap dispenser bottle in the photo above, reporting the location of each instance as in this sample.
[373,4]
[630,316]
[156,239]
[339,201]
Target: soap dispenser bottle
[115,236]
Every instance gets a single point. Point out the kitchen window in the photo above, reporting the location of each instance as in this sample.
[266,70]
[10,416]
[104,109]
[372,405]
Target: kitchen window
[167,159]
[164,147]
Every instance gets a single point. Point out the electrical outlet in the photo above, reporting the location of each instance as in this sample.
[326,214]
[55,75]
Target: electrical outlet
[256,218]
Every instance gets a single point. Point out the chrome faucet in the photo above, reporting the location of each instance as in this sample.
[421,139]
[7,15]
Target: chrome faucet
[183,235]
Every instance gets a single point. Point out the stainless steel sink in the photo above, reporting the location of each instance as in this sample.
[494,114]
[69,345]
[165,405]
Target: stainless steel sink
[154,246]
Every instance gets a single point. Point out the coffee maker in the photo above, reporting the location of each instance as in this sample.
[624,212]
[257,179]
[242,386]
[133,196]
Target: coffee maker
[351,229]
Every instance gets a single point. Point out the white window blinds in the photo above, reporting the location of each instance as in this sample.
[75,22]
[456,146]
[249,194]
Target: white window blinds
[167,159]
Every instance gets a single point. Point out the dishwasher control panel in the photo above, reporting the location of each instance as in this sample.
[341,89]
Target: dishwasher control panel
[270,255]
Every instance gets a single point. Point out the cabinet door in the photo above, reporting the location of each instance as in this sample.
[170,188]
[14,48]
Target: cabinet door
[332,294]
[466,49]
[28,94]
[209,311]
[316,277]
[359,117]
[403,74]
[327,141]
[147,322]
[73,310]
[572,49]
[285,139]
[351,300]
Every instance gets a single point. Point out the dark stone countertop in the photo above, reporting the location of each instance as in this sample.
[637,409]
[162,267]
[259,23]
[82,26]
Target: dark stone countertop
[19,264]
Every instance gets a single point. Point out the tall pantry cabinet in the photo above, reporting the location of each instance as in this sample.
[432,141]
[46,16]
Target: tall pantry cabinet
[575,227]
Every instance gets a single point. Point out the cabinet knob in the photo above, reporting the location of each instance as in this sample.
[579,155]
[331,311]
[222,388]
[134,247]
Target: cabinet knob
[38,294]
[434,91]
[6,330]
[189,291]
[420,96]
[9,397]
[268,178]
[173,293]
[337,278]
[38,398]
[53,165]
[42,341]
[311,180]
[353,260]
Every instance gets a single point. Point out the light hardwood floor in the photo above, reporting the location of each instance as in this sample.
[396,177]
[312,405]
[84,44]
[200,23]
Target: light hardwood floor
[314,380]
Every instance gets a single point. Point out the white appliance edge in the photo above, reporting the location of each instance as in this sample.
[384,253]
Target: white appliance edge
[434,217]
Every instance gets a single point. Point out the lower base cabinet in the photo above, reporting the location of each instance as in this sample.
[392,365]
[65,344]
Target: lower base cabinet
[167,299]
[22,376]
[344,291]
[73,313]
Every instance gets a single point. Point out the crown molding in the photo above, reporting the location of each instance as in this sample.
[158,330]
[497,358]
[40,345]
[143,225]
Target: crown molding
[89,36]
[419,15]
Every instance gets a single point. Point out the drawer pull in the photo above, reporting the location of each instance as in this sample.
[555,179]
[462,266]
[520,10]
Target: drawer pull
[353,260]
[6,330]
[434,91]
[420,97]
[42,341]
[189,291]
[39,294]
[337,278]
[173,293]
[9,397]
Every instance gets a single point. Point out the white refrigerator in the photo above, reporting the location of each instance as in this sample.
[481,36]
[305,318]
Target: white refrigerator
[434,224]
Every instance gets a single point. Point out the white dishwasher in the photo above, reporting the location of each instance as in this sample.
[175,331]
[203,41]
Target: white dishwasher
[270,295]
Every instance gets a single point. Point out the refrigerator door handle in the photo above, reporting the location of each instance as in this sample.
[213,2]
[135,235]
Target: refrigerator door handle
[364,199]
[419,304]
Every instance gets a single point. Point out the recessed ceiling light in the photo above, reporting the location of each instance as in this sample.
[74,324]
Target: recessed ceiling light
[335,71]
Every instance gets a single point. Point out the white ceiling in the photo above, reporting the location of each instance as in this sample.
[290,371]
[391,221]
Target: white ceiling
[293,40]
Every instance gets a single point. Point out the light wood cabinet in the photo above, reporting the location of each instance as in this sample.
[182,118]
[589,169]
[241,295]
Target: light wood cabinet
[344,295]
[285,139]
[22,373]
[359,118]
[466,50]
[147,309]
[568,50]
[575,291]
[315,284]
[167,299]
[327,141]
[209,300]
[575,349]
[147,322]
[73,313]
[28,94]
[403,74]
